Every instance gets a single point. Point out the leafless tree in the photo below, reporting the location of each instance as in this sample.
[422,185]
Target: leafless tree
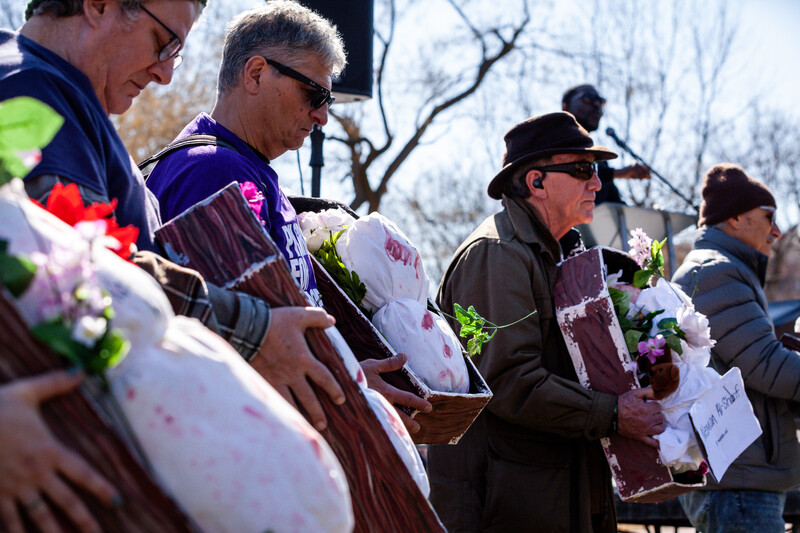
[439,87]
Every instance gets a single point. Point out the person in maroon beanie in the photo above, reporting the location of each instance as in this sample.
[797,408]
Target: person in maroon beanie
[725,271]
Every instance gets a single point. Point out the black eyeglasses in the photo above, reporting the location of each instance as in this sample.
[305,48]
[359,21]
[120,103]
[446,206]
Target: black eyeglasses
[320,96]
[173,46]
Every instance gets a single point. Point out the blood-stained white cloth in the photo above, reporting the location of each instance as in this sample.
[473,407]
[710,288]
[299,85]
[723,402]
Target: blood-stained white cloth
[385,260]
[397,292]
[229,449]
[433,350]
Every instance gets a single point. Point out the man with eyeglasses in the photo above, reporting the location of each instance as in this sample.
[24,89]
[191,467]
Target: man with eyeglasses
[532,460]
[273,87]
[725,271]
[86,59]
[586,104]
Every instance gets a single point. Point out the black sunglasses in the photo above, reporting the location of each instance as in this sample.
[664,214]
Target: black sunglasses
[173,46]
[321,95]
[582,170]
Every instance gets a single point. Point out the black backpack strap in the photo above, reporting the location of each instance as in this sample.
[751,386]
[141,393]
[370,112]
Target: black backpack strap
[195,139]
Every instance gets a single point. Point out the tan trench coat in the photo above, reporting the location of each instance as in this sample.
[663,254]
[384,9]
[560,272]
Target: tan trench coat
[532,461]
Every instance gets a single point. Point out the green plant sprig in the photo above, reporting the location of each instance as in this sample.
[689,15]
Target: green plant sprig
[478,329]
[348,281]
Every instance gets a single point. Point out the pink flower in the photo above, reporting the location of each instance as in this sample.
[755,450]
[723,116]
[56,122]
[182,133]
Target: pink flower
[640,245]
[254,197]
[653,348]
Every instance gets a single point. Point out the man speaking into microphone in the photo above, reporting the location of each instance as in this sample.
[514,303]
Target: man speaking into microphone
[586,105]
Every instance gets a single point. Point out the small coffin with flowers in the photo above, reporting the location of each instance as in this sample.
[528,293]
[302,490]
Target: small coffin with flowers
[624,331]
[586,316]
[372,280]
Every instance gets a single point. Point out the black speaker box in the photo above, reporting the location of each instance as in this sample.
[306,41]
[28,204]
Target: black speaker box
[354,20]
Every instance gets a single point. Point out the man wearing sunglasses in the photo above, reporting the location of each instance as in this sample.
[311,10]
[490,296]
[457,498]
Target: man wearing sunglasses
[586,104]
[273,87]
[726,271]
[532,461]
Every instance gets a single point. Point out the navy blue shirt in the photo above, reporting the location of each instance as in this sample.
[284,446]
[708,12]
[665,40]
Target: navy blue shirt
[87,149]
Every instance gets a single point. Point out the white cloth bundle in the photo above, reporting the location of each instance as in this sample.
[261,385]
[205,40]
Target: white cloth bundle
[385,260]
[397,291]
[222,441]
[390,421]
[433,351]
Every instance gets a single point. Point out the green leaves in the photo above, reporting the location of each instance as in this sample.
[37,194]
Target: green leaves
[348,281]
[473,324]
[16,272]
[655,266]
[107,352]
[25,124]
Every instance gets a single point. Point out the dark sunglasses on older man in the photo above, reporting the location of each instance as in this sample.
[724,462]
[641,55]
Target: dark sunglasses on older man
[320,97]
[582,170]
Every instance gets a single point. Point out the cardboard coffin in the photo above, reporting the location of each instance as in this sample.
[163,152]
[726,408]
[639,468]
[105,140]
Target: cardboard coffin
[585,314]
[223,240]
[453,412]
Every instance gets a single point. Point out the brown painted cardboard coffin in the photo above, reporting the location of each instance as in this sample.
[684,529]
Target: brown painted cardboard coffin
[223,240]
[594,338]
[453,412]
[82,420]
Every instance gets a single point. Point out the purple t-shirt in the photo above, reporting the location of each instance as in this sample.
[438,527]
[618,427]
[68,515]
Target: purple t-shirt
[188,176]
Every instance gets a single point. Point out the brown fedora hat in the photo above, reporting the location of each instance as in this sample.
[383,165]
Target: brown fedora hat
[537,137]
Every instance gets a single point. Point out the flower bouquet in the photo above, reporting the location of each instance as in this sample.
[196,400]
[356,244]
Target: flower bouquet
[669,345]
[585,311]
[372,280]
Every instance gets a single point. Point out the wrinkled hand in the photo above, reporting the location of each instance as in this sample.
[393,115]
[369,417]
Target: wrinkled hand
[639,419]
[373,368]
[287,363]
[33,462]
[636,171]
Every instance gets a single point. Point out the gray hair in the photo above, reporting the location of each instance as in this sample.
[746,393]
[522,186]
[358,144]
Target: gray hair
[516,185]
[284,31]
[68,8]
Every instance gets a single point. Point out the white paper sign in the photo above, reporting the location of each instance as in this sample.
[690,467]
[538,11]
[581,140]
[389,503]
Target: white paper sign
[724,421]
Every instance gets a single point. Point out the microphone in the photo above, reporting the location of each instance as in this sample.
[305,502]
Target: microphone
[622,144]
[613,134]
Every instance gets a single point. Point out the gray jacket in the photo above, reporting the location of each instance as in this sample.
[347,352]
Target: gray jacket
[725,277]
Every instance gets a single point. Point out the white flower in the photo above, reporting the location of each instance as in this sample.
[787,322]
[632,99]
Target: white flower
[88,329]
[666,296]
[613,280]
[314,240]
[318,227]
[695,326]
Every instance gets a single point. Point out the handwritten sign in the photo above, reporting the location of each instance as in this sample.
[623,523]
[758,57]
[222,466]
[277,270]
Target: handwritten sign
[724,421]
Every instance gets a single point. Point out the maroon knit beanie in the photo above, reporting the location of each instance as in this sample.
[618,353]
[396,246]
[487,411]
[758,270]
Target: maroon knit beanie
[728,192]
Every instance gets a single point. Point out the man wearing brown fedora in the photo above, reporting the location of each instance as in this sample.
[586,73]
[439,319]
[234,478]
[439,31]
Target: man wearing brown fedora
[532,461]
[726,272]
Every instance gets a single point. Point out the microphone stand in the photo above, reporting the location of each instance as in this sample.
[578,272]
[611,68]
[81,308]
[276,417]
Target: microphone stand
[622,144]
